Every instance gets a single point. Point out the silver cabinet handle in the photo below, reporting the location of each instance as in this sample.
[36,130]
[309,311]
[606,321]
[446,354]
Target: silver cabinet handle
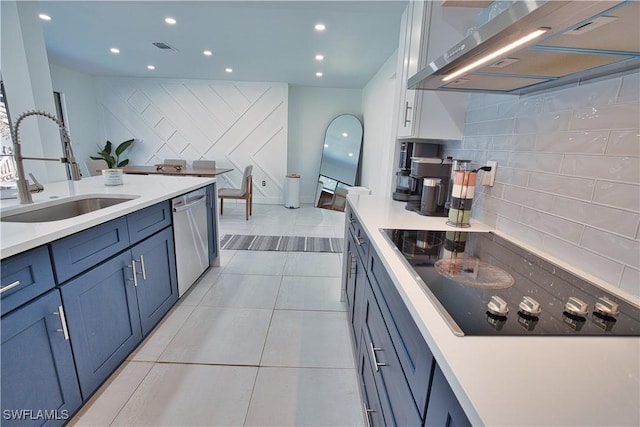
[352,263]
[406,113]
[135,278]
[375,359]
[9,286]
[359,241]
[367,411]
[144,272]
[352,221]
[63,322]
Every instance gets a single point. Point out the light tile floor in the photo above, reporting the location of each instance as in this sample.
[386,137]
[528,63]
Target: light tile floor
[262,340]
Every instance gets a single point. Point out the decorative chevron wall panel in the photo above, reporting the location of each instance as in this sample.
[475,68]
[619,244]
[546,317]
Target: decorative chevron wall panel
[233,123]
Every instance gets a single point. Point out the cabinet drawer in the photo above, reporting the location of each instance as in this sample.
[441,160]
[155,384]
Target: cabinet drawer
[38,372]
[147,221]
[24,277]
[81,251]
[390,379]
[415,357]
[372,406]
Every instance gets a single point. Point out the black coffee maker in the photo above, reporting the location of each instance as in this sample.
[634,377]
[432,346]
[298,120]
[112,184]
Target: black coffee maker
[407,185]
[431,176]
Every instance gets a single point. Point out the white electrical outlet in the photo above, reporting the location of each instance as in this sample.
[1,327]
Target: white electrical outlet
[489,178]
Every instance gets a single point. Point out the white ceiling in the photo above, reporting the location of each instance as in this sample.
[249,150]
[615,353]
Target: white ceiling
[272,41]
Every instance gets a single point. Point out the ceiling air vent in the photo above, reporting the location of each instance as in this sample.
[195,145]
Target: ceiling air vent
[163,46]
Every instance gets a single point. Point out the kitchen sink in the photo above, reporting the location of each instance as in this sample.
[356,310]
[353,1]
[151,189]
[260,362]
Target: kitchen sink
[63,208]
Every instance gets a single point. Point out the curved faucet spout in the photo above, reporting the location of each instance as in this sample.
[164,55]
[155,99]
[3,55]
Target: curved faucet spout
[23,187]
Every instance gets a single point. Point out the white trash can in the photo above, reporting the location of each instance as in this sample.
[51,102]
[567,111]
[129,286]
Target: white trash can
[292,191]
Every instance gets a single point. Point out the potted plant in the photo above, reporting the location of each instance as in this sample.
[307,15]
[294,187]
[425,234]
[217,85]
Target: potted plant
[113,175]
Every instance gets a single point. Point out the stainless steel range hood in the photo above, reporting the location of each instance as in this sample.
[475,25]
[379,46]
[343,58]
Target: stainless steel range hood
[582,40]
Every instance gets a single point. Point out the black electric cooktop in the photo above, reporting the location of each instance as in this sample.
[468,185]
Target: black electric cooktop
[486,285]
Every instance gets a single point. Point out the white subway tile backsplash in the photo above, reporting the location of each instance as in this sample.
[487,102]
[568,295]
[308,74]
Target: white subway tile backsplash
[624,143]
[543,123]
[583,259]
[526,197]
[617,116]
[501,207]
[573,142]
[624,196]
[478,142]
[522,142]
[599,93]
[537,162]
[483,114]
[520,231]
[579,188]
[630,281]
[493,127]
[512,176]
[551,224]
[612,246]
[608,167]
[630,89]
[603,217]
[568,174]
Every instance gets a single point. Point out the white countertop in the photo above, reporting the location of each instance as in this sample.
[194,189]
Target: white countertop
[513,381]
[149,189]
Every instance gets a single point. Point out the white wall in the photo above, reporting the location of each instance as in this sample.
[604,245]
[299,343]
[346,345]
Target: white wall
[311,109]
[27,81]
[80,107]
[568,177]
[378,105]
[233,123]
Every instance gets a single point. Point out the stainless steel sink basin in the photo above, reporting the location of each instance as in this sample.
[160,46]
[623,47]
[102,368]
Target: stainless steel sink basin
[62,209]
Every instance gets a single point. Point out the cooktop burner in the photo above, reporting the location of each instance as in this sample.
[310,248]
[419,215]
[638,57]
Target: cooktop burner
[486,285]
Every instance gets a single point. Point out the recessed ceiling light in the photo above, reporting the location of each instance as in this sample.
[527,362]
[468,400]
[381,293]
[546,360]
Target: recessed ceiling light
[319,57]
[318,74]
[44,17]
[170,21]
[207,52]
[326,145]
[228,70]
[350,154]
[320,27]
[151,67]
[344,134]
[114,50]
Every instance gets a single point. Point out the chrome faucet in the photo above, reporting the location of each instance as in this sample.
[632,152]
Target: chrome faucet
[23,186]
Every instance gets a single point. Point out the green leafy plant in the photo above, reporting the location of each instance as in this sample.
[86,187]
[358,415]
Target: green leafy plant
[113,161]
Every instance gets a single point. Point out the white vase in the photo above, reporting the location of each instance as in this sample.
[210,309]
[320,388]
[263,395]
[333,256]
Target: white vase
[112,176]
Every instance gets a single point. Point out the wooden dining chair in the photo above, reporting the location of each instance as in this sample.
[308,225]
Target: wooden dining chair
[204,164]
[95,166]
[244,192]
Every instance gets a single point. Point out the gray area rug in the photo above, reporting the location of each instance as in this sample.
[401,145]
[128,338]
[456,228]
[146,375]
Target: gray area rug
[281,243]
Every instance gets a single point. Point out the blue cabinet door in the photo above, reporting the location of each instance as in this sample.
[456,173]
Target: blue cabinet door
[104,323]
[39,383]
[156,284]
[212,232]
[351,271]
[443,409]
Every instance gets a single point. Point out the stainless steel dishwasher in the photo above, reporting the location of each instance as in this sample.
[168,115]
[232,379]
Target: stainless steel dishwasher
[191,241]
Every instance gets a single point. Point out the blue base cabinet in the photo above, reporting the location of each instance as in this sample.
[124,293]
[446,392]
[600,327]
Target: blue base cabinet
[104,324]
[401,383]
[39,383]
[157,286]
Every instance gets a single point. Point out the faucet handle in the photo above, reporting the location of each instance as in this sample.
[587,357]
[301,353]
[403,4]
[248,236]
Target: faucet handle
[36,187]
